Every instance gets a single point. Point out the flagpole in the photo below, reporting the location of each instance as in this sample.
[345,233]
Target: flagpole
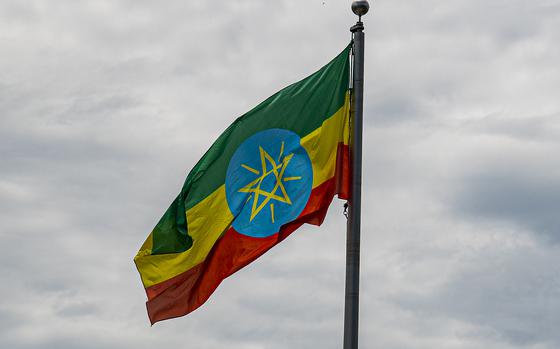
[352,292]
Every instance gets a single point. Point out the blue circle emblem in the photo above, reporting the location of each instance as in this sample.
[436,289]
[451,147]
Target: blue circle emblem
[268,182]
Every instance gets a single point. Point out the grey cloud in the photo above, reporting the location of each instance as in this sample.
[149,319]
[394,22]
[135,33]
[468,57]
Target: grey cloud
[515,297]
[530,202]
[526,128]
[77,309]
[512,174]
[10,319]
[389,108]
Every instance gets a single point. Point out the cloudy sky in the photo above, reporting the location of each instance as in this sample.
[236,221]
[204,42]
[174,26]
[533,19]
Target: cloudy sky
[106,105]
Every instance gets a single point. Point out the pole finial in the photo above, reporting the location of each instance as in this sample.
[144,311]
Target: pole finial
[360,7]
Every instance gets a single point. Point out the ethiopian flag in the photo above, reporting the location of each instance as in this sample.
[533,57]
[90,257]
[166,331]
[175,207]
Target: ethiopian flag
[272,170]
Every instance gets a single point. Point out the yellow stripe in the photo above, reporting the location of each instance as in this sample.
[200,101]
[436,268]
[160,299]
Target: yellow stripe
[321,144]
[146,248]
[207,221]
[211,217]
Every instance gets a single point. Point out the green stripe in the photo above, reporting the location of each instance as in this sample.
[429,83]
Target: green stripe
[170,234]
[301,107]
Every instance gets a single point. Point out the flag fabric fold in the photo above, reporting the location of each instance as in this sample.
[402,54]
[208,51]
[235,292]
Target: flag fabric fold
[275,168]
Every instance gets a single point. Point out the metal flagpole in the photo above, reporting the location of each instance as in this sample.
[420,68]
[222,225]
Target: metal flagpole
[351,303]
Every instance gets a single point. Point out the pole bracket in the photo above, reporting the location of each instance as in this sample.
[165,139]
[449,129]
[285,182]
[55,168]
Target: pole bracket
[359,26]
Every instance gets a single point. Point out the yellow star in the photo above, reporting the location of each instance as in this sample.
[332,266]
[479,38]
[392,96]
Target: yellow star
[254,187]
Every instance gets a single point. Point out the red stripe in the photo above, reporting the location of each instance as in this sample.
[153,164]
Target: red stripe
[343,171]
[185,292]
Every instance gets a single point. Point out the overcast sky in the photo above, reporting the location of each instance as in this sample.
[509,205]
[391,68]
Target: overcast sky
[106,105]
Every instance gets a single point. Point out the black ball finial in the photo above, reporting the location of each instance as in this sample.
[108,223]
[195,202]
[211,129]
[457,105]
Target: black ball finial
[360,7]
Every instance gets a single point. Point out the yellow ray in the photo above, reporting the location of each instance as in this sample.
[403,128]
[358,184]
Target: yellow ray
[292,178]
[281,151]
[250,169]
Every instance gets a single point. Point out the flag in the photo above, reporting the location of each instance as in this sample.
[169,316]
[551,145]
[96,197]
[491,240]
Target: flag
[275,168]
